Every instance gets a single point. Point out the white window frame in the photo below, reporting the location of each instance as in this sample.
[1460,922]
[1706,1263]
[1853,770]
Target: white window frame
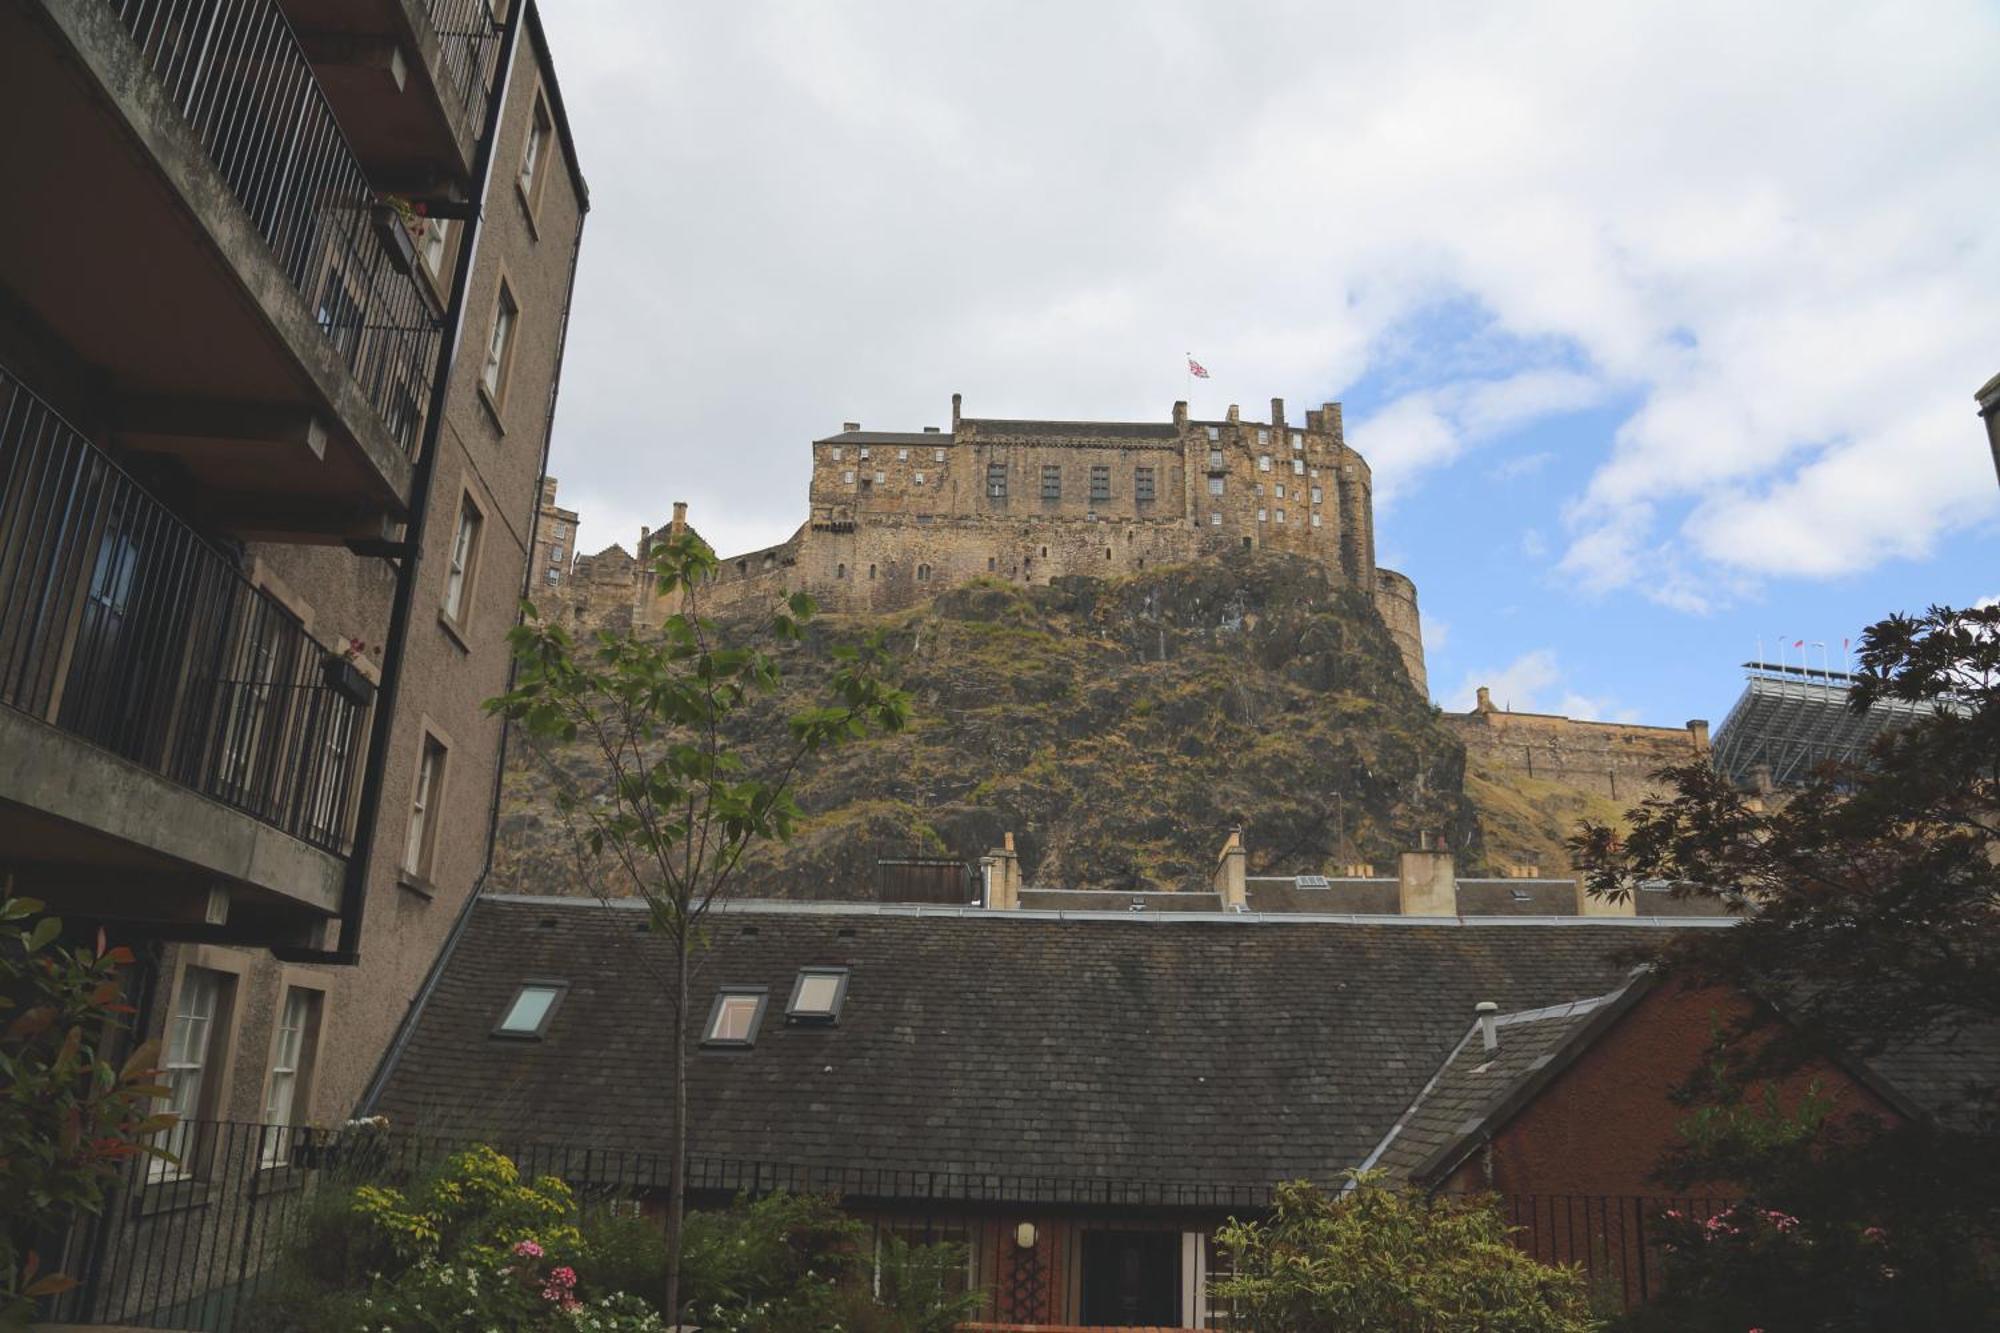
[1215,518]
[1263,462]
[187,1057]
[420,841]
[464,559]
[1215,485]
[291,1061]
[500,345]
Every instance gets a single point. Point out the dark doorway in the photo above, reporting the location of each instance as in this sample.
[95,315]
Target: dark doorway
[1132,1277]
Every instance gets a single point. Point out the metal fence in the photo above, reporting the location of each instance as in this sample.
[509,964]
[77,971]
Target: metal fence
[469,40]
[121,625]
[196,1248]
[235,72]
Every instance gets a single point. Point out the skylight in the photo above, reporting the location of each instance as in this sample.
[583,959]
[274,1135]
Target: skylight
[817,995]
[529,1013]
[735,1018]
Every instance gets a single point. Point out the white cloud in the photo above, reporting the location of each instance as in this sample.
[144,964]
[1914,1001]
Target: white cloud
[1767,226]
[1521,465]
[1534,683]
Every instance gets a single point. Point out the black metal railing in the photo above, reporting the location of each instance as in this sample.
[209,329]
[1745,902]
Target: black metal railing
[234,70]
[196,1246]
[469,40]
[121,625]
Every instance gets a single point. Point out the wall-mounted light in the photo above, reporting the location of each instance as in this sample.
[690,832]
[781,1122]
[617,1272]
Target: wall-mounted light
[1024,1235]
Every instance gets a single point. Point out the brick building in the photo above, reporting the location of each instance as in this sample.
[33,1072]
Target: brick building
[279,346]
[894,515]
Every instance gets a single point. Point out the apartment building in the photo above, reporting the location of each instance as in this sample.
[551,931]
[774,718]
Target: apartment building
[283,292]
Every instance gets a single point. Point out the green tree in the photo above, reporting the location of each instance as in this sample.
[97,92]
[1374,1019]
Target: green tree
[1870,903]
[681,804]
[69,1115]
[1377,1258]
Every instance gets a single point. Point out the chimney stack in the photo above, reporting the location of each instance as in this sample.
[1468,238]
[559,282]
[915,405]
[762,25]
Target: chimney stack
[955,401]
[1003,876]
[1277,411]
[1489,1030]
[680,517]
[1180,414]
[849,427]
[1231,868]
[1698,733]
[1426,884]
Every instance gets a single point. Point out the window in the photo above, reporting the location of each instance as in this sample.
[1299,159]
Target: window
[902,455]
[1279,490]
[1298,467]
[419,846]
[437,234]
[864,453]
[1100,482]
[840,570]
[1263,516]
[529,1012]
[464,552]
[1256,488]
[923,573]
[1215,432]
[1215,485]
[847,477]
[1315,495]
[1215,460]
[1298,439]
[734,1020]
[1263,435]
[937,455]
[1214,519]
[917,479]
[500,346]
[555,576]
[1263,462]
[1051,481]
[996,481]
[871,571]
[199,1009]
[881,477]
[535,157]
[291,1062]
[1142,484]
[1277,516]
[817,995]
[836,453]
[1315,518]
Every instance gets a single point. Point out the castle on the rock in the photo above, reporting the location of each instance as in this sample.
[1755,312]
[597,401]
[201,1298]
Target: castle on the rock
[898,515]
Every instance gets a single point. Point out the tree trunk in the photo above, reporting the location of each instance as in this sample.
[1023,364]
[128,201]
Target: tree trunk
[677,1186]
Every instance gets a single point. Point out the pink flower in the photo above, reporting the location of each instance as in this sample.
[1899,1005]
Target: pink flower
[1876,1234]
[562,1277]
[527,1249]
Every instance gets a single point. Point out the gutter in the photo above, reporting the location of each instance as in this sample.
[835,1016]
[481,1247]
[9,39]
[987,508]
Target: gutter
[408,1026]
[354,888]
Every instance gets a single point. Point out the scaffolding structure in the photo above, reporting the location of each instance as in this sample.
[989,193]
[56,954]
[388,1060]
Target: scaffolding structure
[1795,718]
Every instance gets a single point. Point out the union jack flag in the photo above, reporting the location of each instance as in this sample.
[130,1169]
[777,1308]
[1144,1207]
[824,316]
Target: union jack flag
[1196,369]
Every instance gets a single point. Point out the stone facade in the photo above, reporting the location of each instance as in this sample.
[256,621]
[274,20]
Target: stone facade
[895,516]
[1612,759]
[555,541]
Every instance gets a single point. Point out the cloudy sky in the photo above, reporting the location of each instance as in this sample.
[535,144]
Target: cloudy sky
[1659,327]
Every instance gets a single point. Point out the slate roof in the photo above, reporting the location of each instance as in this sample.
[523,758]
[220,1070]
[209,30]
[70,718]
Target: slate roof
[1232,1052]
[1104,430]
[936,438]
[1476,1089]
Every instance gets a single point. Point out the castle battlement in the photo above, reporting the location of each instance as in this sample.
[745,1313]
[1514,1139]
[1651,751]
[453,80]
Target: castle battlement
[894,516]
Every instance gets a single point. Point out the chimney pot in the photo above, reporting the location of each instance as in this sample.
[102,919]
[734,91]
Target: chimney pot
[1489,1030]
[849,427]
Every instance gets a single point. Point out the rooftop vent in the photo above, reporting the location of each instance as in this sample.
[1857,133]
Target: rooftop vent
[1489,1031]
[1311,881]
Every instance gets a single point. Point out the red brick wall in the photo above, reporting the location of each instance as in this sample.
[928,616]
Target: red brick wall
[1602,1126]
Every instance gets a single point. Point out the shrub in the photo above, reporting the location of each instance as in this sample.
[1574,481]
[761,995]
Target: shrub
[1375,1258]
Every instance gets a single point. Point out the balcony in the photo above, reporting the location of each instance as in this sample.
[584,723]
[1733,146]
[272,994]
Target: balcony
[122,628]
[202,236]
[408,80]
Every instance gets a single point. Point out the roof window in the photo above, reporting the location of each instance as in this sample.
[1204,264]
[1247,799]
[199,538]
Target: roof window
[738,1012]
[817,995]
[533,1005]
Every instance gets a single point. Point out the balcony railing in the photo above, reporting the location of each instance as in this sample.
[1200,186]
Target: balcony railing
[121,625]
[470,40]
[235,71]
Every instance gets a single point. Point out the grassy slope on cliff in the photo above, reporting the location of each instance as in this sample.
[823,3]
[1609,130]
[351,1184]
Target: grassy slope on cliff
[1116,727]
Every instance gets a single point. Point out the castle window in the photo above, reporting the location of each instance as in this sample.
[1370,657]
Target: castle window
[1263,462]
[1214,519]
[880,478]
[847,477]
[1215,432]
[864,453]
[1100,482]
[1279,489]
[840,571]
[1215,485]
[1263,516]
[1051,481]
[918,479]
[1315,494]
[923,573]
[902,455]
[555,576]
[996,481]
[742,566]
[1315,518]
[937,455]
[1263,435]
[1298,440]
[1256,488]
[836,453]
[871,571]
[555,553]
[1298,467]
[1215,460]
[1277,516]
[1107,553]
[1045,553]
[1142,484]
[991,564]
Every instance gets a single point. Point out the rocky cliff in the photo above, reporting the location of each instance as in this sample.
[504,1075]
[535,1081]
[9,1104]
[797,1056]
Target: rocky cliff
[1118,728]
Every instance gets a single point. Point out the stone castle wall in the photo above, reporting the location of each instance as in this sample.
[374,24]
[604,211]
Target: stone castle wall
[1612,759]
[896,516]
